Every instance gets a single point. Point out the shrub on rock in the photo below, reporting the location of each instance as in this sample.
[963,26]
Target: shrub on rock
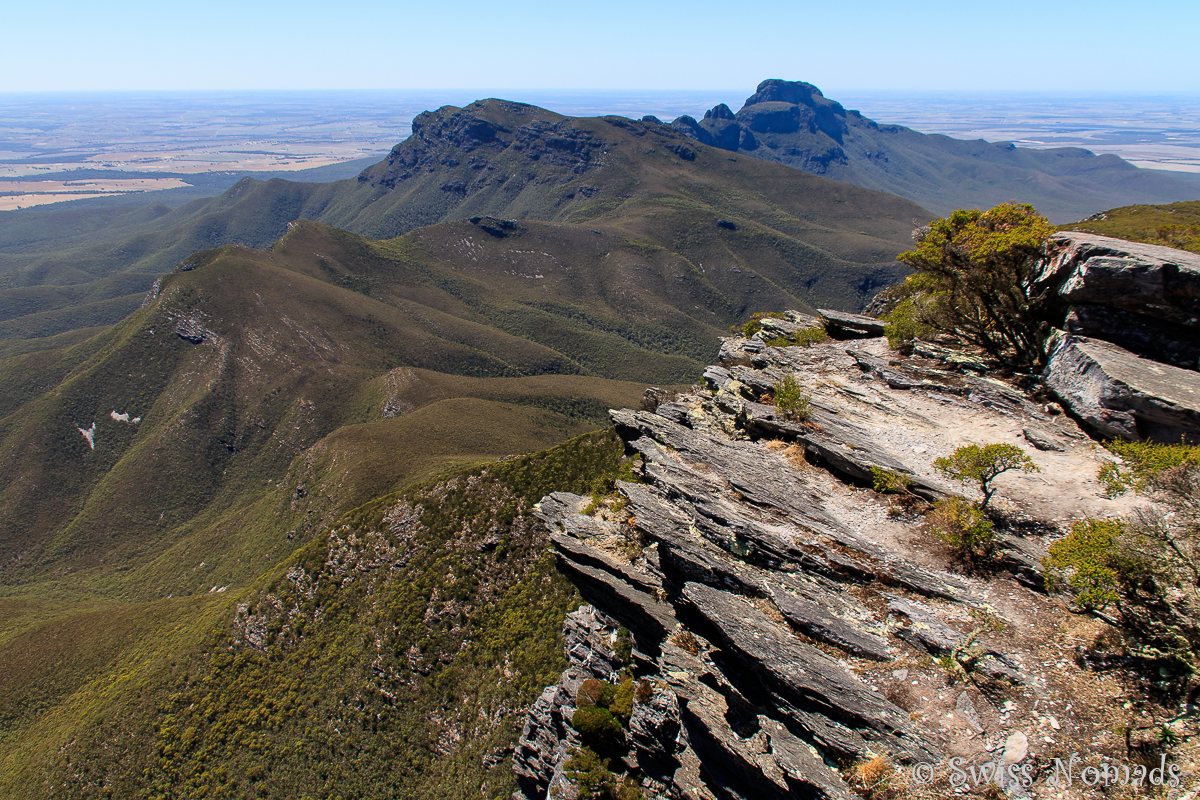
[963,525]
[982,464]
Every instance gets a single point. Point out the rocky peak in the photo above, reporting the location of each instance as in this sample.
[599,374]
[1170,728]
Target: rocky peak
[720,111]
[786,618]
[466,143]
[789,109]
[792,92]
[794,123]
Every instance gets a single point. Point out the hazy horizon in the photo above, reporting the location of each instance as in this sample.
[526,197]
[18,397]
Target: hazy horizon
[164,140]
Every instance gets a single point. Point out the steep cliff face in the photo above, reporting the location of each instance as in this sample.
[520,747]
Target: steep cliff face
[789,623]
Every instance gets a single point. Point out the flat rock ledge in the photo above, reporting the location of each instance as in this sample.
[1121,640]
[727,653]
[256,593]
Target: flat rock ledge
[785,620]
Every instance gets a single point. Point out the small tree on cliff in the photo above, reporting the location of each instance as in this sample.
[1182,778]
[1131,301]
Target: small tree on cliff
[974,278]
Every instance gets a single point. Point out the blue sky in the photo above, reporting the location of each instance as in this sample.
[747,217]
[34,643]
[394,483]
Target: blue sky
[1018,45]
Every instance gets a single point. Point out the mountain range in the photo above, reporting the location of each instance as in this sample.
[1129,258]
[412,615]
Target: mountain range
[172,449]
[199,405]
[793,123]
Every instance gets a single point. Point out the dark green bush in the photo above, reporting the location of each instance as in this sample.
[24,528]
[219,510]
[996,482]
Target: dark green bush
[1089,560]
[624,645]
[622,702]
[595,780]
[598,728]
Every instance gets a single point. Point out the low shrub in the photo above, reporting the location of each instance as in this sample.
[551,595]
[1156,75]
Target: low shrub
[1147,566]
[904,326]
[1087,559]
[888,482]
[591,774]
[1142,462]
[624,645]
[622,702]
[805,337]
[598,727]
[963,525]
[592,693]
[791,401]
[754,324]
[982,464]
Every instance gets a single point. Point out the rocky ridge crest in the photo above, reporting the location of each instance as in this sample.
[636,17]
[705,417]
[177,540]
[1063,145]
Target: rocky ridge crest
[788,620]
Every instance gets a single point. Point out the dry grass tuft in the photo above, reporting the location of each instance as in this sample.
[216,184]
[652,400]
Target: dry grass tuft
[873,779]
[685,641]
[795,455]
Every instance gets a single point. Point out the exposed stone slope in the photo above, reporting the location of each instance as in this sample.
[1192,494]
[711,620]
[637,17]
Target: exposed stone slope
[785,617]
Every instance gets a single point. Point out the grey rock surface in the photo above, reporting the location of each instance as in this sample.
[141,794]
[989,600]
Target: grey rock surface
[770,598]
[1151,338]
[1149,280]
[1122,395]
[965,708]
[818,623]
[844,325]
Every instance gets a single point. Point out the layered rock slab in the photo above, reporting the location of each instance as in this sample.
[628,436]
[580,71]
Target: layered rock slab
[1150,280]
[1122,395]
[770,599]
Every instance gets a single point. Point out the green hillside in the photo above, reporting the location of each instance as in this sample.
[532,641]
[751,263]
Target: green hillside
[176,452]
[391,656]
[508,160]
[273,391]
[1173,225]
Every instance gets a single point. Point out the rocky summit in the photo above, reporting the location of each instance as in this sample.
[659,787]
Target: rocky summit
[794,123]
[786,620]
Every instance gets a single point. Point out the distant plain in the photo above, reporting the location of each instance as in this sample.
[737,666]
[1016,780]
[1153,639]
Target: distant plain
[92,145]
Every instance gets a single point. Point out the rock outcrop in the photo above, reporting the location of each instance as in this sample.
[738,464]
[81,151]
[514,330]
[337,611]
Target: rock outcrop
[784,617]
[1142,297]
[548,736]
[1150,280]
[1122,395]
[1126,360]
